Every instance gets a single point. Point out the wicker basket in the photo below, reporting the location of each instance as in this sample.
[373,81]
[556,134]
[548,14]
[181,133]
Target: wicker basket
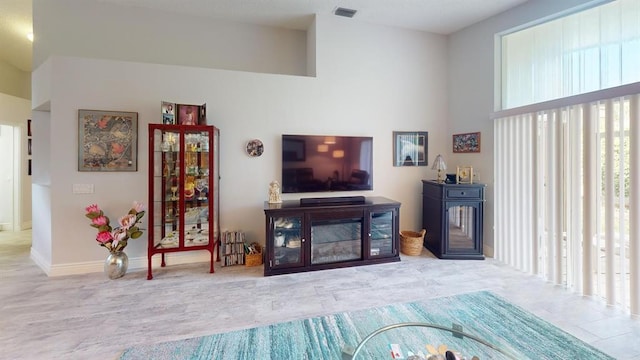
[254,259]
[411,242]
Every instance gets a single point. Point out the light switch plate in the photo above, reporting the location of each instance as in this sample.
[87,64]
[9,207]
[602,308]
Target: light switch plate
[83,188]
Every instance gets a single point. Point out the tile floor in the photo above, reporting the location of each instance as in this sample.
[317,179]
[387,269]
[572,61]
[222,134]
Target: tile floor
[91,317]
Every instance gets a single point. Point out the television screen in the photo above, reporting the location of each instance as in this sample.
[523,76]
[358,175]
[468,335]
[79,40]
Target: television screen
[316,163]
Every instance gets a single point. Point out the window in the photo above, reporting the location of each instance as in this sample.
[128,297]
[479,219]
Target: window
[567,152]
[594,49]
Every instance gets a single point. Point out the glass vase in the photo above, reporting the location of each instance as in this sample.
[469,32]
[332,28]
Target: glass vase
[116,264]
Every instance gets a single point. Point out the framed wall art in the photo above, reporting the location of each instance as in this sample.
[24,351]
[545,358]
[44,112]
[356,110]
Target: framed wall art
[466,143]
[191,114]
[410,148]
[168,113]
[107,140]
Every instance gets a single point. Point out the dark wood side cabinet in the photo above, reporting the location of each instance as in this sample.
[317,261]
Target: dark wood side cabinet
[328,235]
[453,216]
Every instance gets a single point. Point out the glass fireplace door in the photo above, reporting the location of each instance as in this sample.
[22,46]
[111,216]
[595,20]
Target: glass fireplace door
[336,240]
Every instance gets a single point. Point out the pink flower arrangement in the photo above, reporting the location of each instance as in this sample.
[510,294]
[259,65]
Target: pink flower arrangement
[115,239]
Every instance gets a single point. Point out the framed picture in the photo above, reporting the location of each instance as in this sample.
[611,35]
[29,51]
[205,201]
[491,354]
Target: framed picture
[107,140]
[410,148]
[464,175]
[466,143]
[168,113]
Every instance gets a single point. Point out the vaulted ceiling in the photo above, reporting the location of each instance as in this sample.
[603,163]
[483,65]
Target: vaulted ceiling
[437,16]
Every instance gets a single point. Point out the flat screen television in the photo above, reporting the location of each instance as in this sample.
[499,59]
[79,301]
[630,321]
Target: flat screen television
[318,163]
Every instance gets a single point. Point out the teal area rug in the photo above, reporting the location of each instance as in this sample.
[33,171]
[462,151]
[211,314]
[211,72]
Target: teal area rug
[482,314]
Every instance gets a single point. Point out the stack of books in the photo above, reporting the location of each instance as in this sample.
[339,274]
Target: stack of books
[232,248]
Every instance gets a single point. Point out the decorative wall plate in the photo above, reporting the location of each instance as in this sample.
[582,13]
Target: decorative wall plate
[255,147]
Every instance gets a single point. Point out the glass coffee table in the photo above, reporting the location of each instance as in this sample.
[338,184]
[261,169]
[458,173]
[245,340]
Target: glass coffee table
[403,341]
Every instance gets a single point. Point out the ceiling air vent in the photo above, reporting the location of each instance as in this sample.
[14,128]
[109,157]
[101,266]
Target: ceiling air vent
[345,12]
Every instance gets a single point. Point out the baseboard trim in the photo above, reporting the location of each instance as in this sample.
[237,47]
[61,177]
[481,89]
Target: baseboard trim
[134,263]
[488,251]
[40,261]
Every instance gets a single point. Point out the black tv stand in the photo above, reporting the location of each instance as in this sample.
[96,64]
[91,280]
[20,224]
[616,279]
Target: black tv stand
[338,200]
[305,238]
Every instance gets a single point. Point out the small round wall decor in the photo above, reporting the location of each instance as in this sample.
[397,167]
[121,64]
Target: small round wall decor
[255,148]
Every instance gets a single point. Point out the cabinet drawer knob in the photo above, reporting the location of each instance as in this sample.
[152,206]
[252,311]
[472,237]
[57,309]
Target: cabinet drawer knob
[461,192]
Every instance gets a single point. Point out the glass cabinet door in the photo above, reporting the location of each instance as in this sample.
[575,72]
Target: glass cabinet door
[461,221]
[288,241]
[195,191]
[381,233]
[166,184]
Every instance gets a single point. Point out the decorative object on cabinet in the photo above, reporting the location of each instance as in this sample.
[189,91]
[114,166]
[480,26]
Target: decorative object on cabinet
[453,215]
[317,235]
[439,164]
[466,143]
[232,248]
[464,175]
[184,194]
[108,140]
[274,192]
[255,148]
[411,242]
[410,148]
[191,114]
[451,179]
[168,113]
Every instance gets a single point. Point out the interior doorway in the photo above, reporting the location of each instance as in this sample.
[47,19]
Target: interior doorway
[9,178]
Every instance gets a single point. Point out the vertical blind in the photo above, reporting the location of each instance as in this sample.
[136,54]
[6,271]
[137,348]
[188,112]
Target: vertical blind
[567,192]
[594,49]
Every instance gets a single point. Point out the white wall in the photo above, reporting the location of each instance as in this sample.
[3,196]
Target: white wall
[106,31]
[371,80]
[14,112]
[471,88]
[14,82]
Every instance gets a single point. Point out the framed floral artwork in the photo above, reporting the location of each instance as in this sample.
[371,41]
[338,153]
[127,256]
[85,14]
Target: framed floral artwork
[107,140]
[466,143]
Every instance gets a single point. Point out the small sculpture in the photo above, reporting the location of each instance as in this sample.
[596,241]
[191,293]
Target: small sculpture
[274,192]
